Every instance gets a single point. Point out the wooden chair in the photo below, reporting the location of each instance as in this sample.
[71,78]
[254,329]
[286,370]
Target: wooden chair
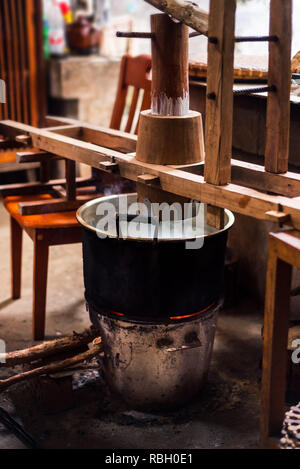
[135,73]
[284,253]
[62,228]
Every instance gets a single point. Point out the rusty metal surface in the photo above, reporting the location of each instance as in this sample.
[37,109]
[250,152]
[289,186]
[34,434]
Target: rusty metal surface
[156,366]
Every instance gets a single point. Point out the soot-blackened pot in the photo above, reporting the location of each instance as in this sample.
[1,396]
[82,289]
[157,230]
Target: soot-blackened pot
[151,278]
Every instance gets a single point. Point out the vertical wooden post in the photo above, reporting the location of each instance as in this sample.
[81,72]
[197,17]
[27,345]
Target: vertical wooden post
[219,103]
[70,179]
[276,323]
[278,109]
[170,78]
[45,171]
[40,273]
[16,239]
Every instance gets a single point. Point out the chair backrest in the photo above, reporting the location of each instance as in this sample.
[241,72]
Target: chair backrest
[135,73]
[22,65]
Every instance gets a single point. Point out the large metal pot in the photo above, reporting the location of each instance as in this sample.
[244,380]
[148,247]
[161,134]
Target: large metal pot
[151,279]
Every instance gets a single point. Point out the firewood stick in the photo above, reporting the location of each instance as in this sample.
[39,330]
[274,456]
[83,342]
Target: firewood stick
[185,11]
[54,367]
[47,349]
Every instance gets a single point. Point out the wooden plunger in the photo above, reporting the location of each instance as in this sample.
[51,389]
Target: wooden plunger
[170,133]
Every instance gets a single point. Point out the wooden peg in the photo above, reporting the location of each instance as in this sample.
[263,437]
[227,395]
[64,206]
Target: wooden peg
[23,139]
[108,166]
[148,179]
[277,216]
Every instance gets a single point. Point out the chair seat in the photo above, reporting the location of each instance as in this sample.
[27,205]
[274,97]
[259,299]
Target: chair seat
[47,220]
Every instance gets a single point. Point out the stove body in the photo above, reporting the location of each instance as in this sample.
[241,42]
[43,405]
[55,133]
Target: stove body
[155,304]
[156,366]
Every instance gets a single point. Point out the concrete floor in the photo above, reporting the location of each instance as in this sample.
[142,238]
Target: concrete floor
[225,415]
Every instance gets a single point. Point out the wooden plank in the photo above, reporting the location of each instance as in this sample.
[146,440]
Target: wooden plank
[41,89]
[276,324]
[3,70]
[69,130]
[288,247]
[31,157]
[32,188]
[33,61]
[132,109]
[120,101]
[16,60]
[219,111]
[41,207]
[8,48]
[256,177]
[110,139]
[234,197]
[12,167]
[278,107]
[57,121]
[16,241]
[219,102]
[98,135]
[71,180]
[23,62]
[12,129]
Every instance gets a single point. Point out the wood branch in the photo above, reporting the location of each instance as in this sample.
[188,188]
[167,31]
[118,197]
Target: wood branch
[55,367]
[48,349]
[185,11]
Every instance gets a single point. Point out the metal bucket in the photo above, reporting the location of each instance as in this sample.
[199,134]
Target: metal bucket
[151,279]
[156,366]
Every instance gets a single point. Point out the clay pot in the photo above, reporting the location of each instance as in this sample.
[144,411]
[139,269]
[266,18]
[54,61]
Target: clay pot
[83,37]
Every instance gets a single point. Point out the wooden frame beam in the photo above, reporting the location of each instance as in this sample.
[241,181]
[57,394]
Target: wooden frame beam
[235,197]
[279,76]
[219,102]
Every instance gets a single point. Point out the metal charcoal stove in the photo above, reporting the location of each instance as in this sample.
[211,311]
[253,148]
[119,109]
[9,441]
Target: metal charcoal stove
[154,302]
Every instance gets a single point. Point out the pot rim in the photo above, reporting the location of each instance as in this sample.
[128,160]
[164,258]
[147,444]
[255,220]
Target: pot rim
[82,222]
